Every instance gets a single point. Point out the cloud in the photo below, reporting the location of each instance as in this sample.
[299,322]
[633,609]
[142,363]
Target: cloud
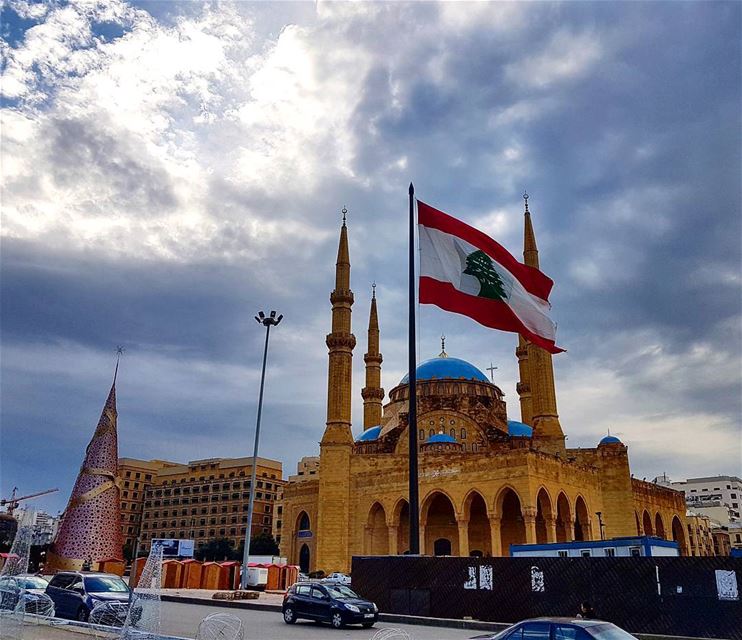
[170,169]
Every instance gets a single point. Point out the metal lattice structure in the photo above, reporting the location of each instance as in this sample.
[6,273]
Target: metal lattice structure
[91,526]
[221,626]
[143,618]
[37,604]
[107,618]
[20,551]
[391,633]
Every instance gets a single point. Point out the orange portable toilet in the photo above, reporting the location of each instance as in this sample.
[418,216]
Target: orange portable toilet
[214,577]
[137,571]
[274,578]
[289,575]
[112,565]
[232,572]
[190,578]
[171,572]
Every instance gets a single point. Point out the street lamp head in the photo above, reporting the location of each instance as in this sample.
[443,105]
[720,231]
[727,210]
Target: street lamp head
[270,320]
[279,318]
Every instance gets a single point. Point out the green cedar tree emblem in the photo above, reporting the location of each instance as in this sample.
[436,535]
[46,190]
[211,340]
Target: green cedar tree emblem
[479,265]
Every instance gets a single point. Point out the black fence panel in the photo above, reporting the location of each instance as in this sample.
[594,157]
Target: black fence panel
[675,596]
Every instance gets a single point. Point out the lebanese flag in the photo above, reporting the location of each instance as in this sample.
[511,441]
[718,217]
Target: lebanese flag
[464,271]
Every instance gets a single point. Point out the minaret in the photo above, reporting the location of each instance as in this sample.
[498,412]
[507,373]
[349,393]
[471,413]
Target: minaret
[333,514]
[536,387]
[91,526]
[372,393]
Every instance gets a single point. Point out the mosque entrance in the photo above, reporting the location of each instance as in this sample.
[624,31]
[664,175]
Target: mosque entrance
[377,532]
[512,524]
[438,523]
[442,547]
[304,558]
[480,537]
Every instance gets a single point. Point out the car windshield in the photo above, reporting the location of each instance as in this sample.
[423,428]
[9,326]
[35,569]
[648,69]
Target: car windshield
[341,592]
[609,632]
[105,584]
[32,582]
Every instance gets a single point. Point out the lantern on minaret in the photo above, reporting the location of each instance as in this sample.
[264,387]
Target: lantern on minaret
[91,524]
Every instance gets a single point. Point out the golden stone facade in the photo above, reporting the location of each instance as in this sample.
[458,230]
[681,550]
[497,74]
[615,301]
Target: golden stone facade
[486,482]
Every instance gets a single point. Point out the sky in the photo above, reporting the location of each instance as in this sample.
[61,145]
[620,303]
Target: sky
[169,169]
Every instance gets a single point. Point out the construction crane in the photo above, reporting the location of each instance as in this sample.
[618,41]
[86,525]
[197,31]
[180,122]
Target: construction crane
[12,502]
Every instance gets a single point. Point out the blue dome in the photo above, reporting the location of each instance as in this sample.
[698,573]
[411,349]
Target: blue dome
[440,438]
[369,434]
[519,429]
[610,440]
[447,368]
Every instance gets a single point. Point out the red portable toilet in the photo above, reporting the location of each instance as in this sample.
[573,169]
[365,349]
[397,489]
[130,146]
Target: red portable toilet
[232,571]
[289,575]
[190,578]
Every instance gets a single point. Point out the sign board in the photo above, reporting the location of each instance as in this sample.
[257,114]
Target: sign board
[174,548]
[304,534]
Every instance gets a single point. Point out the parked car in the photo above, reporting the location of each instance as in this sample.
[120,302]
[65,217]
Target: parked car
[75,593]
[560,629]
[334,603]
[12,588]
[338,578]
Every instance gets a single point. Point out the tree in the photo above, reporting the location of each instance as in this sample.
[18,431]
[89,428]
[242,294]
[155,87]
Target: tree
[217,550]
[479,265]
[263,544]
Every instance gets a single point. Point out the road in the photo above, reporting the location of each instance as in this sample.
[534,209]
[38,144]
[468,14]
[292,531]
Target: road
[182,620]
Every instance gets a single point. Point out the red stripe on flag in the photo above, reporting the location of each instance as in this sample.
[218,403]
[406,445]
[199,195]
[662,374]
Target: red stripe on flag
[486,311]
[535,281]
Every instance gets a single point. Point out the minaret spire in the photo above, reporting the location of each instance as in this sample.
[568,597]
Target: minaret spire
[372,393]
[333,513]
[536,387]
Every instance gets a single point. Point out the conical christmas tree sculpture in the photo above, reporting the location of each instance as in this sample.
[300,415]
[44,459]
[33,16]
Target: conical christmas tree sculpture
[91,525]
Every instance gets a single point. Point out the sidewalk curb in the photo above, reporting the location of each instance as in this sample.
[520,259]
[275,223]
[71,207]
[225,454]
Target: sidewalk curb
[451,623]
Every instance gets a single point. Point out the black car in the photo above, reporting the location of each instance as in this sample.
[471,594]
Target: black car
[75,593]
[560,629]
[334,603]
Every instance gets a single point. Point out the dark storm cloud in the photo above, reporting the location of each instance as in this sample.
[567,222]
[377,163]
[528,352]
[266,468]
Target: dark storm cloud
[622,120]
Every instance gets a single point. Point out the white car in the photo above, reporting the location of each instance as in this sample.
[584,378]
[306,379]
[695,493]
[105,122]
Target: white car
[338,578]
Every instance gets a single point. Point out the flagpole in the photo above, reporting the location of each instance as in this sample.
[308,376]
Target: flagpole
[412,388]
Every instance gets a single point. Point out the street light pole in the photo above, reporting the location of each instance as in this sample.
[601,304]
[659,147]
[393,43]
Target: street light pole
[267,322]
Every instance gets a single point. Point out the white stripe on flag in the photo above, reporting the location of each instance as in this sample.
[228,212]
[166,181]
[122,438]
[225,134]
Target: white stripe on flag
[443,258]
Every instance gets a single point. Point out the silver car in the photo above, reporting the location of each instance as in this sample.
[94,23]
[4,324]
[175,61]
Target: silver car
[560,629]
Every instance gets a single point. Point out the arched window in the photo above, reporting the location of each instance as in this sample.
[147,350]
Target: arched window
[463,434]
[304,522]
[432,432]
[453,433]
[474,448]
[422,434]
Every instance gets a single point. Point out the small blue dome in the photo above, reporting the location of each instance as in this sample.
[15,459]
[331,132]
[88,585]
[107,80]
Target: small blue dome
[441,438]
[447,368]
[609,440]
[369,434]
[519,429]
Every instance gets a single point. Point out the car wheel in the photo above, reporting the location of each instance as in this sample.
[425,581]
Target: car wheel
[82,614]
[368,625]
[289,617]
[337,620]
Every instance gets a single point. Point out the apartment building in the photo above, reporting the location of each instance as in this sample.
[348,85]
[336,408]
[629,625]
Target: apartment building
[208,499]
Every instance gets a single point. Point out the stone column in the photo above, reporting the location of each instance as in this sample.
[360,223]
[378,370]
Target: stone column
[569,530]
[529,516]
[551,530]
[495,539]
[423,550]
[368,540]
[463,537]
[393,551]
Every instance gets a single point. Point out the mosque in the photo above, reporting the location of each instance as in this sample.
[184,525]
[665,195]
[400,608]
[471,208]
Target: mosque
[486,481]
